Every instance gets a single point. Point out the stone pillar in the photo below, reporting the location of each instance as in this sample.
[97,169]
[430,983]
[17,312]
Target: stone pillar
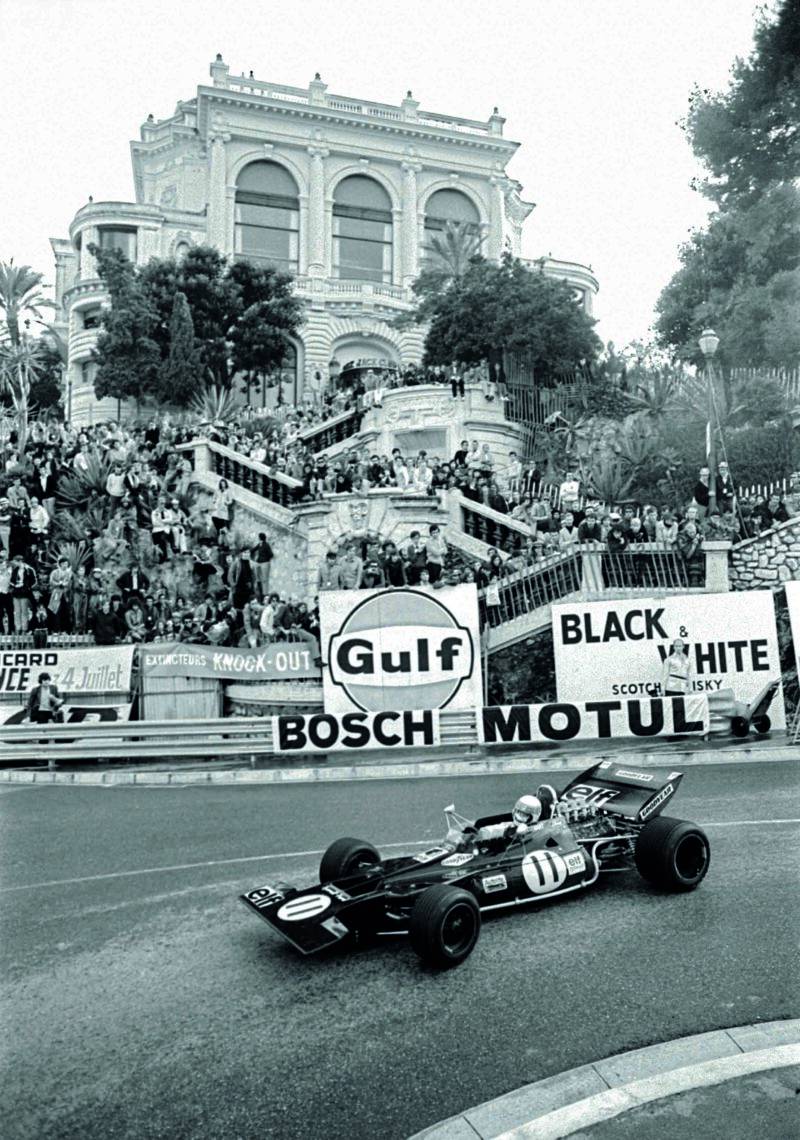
[218,186]
[88,264]
[316,211]
[494,242]
[409,245]
[717,576]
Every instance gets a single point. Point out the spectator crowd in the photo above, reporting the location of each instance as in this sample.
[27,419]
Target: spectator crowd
[103,534]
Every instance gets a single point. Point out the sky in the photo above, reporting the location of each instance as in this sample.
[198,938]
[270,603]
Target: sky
[592,89]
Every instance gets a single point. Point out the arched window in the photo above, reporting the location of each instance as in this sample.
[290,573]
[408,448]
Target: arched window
[450,206]
[267,217]
[362,230]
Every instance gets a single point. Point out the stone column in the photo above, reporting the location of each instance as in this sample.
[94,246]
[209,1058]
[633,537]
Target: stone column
[218,186]
[409,246]
[494,243]
[316,211]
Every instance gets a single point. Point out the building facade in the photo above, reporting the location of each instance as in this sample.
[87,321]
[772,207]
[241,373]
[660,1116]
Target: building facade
[343,193]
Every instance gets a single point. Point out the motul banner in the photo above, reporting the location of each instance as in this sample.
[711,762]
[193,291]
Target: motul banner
[594,720]
[281,661]
[99,669]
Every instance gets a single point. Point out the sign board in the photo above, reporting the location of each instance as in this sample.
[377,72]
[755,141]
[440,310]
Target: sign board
[354,731]
[793,602]
[400,649]
[100,669]
[616,649]
[281,661]
[594,720]
[73,714]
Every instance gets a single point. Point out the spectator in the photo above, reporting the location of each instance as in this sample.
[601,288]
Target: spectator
[689,544]
[436,551]
[328,577]
[394,570]
[23,581]
[44,701]
[41,624]
[351,567]
[6,602]
[39,519]
[371,577]
[222,505]
[416,558]
[243,588]
[132,582]
[262,556]
[456,379]
[60,600]
[726,494]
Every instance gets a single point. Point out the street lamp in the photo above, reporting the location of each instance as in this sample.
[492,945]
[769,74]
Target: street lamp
[709,343]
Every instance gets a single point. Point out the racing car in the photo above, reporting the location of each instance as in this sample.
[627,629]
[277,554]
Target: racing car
[606,819]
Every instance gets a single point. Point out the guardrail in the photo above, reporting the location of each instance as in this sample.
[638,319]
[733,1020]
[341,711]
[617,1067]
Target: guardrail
[56,744]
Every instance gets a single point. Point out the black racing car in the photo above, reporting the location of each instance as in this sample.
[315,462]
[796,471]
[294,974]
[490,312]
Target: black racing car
[607,819]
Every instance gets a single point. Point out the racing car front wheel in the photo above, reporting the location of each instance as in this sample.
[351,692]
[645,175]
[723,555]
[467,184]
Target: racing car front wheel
[762,724]
[672,854]
[445,924]
[347,857]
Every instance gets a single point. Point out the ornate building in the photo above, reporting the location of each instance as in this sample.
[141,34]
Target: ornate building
[341,192]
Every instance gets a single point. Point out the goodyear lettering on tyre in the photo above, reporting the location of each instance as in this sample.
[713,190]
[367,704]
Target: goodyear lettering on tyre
[401,649]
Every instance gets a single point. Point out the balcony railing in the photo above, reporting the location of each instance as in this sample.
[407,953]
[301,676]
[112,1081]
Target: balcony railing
[250,476]
[322,436]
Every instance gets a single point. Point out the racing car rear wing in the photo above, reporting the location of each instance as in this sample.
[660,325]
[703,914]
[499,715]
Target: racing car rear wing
[620,790]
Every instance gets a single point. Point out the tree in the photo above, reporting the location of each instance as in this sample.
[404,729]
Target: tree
[242,316]
[179,371]
[749,136]
[741,274]
[20,292]
[492,308]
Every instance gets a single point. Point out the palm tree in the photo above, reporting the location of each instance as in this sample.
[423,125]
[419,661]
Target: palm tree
[19,365]
[451,251]
[20,292]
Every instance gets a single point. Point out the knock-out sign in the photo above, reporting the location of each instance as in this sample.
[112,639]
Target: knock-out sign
[400,649]
[616,649]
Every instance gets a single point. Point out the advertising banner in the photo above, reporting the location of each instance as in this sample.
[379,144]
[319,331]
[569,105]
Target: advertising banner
[72,714]
[354,731]
[616,649]
[99,669]
[400,649]
[281,661]
[793,603]
[594,720]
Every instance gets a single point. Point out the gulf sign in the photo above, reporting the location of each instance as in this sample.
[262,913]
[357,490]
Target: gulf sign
[400,650]
[615,650]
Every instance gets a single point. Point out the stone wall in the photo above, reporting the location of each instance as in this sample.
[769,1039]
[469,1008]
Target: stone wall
[768,560]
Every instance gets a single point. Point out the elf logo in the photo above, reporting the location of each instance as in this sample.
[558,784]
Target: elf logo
[406,641]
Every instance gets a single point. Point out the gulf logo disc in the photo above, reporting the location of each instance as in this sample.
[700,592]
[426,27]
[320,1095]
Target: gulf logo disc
[401,650]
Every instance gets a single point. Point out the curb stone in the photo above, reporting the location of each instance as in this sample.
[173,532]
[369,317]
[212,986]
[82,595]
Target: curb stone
[560,1105]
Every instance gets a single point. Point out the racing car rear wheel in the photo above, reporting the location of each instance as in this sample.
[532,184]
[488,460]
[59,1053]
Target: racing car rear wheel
[445,924]
[740,725]
[672,854]
[347,857]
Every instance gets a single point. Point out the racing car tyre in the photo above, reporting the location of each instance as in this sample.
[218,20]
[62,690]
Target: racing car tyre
[672,854]
[740,726]
[347,857]
[445,924]
[762,724]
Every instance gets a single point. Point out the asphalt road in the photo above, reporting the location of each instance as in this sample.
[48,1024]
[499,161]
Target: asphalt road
[141,1000]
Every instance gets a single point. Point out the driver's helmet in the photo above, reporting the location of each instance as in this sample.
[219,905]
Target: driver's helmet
[527,810]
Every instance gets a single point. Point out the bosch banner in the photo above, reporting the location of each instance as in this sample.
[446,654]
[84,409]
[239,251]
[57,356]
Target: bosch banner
[355,731]
[594,720]
[400,649]
[101,669]
[616,649]
[284,660]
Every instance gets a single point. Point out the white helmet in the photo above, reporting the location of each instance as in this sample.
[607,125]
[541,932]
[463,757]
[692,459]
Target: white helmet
[527,810]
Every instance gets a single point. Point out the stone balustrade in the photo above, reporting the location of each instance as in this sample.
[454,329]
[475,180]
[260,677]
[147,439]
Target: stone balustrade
[769,559]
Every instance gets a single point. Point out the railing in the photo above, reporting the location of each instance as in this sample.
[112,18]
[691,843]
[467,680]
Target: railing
[591,571]
[531,590]
[322,436]
[491,527]
[166,740]
[251,476]
[54,641]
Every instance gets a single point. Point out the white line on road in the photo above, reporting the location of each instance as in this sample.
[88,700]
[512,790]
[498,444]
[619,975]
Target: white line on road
[306,855]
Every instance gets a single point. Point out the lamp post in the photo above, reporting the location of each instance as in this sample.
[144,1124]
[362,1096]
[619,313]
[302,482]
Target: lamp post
[709,342]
